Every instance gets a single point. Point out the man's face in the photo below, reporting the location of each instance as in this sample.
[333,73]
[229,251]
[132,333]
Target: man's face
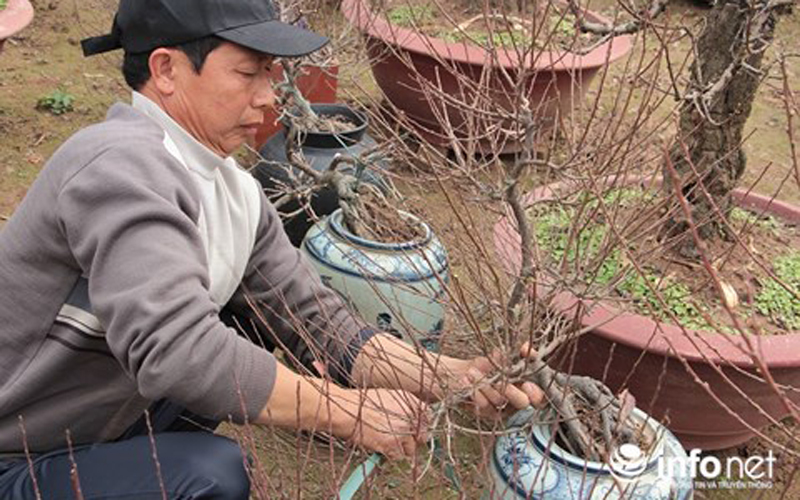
[223,106]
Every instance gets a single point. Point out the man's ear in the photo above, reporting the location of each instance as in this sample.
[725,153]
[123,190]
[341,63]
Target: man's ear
[163,70]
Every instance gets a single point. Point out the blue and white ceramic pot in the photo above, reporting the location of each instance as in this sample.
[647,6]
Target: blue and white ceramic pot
[528,463]
[397,286]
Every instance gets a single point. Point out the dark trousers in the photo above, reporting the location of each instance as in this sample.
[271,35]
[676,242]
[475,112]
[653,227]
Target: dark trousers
[192,461]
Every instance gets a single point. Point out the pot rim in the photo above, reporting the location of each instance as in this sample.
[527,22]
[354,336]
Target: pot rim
[643,333]
[334,140]
[538,435]
[15,17]
[338,227]
[332,108]
[358,13]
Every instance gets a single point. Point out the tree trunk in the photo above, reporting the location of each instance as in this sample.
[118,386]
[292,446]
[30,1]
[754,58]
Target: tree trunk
[707,157]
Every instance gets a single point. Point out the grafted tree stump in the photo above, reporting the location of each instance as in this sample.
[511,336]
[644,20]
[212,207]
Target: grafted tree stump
[725,76]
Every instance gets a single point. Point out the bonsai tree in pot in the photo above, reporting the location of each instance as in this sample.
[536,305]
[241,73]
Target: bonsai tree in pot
[702,168]
[728,87]
[712,396]
[707,161]
[705,165]
[428,59]
[315,76]
[316,138]
[325,164]
[370,215]
[494,310]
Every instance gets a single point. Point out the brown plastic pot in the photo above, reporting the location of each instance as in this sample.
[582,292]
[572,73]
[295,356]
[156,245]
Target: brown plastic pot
[698,383]
[559,79]
[16,15]
[317,84]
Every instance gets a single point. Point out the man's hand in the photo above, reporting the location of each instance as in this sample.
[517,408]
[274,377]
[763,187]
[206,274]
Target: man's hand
[388,362]
[490,400]
[391,422]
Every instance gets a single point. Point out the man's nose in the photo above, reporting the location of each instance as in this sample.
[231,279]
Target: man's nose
[264,96]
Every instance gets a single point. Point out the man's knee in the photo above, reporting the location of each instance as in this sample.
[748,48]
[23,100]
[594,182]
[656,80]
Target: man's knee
[218,464]
[191,464]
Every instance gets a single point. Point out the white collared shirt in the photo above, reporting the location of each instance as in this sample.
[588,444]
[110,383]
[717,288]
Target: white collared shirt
[230,205]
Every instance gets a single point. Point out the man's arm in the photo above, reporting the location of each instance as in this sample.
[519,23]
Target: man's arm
[391,422]
[385,361]
[283,297]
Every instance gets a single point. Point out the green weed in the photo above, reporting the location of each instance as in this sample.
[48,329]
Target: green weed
[628,196]
[56,102]
[410,15]
[775,301]
[552,227]
[745,217]
[676,297]
[564,25]
[450,36]
[3,4]
[514,38]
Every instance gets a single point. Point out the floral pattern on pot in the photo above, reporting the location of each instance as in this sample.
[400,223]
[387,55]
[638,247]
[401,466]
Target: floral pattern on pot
[528,463]
[398,287]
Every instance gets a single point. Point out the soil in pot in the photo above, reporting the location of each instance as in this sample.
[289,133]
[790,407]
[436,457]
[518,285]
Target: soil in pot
[581,239]
[634,432]
[377,219]
[552,28]
[329,124]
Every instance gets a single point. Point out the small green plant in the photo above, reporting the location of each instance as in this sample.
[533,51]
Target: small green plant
[3,4]
[514,38]
[552,226]
[676,297]
[565,24]
[776,301]
[628,196]
[741,216]
[56,102]
[410,15]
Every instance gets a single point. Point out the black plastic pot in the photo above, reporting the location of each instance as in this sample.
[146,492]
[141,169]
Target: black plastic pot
[319,148]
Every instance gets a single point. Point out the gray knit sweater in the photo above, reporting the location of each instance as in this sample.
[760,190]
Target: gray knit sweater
[105,302]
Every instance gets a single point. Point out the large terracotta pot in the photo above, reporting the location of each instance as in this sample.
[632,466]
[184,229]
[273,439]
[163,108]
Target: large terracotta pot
[699,384]
[559,79]
[317,84]
[16,15]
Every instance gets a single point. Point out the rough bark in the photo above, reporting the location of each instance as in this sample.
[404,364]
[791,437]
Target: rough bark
[707,156]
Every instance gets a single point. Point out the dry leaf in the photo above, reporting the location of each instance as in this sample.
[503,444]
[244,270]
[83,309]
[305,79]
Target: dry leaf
[729,295]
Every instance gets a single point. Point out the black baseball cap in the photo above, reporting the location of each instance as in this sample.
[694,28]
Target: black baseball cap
[143,25]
